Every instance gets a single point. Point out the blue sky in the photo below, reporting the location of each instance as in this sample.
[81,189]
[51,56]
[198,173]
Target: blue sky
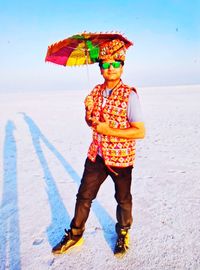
[166,36]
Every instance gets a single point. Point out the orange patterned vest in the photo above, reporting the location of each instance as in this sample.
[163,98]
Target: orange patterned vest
[117,152]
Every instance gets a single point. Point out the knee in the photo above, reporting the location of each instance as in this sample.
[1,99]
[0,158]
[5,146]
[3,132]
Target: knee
[123,199]
[86,193]
[85,198]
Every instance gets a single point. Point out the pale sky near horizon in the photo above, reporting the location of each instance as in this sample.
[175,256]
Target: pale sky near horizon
[166,36]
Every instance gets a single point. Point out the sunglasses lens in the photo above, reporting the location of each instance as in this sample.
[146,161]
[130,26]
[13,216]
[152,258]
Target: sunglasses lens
[105,65]
[116,64]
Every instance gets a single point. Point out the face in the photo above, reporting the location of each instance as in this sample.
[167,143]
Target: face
[112,73]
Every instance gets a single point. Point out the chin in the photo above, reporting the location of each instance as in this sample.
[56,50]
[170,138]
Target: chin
[112,77]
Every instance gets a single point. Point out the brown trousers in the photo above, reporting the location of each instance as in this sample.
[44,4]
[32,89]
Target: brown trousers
[93,176]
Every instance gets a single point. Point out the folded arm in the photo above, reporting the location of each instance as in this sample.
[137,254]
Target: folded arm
[136,131]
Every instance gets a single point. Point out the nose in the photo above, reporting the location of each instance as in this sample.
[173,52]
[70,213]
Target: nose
[111,67]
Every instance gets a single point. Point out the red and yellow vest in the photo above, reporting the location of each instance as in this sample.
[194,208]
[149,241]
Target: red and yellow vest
[117,152]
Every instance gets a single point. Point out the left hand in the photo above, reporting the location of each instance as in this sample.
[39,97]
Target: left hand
[102,127]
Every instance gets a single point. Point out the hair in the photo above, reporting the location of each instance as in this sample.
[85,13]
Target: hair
[101,62]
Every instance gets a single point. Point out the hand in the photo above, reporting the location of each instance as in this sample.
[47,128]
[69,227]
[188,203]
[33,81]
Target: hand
[102,127]
[89,103]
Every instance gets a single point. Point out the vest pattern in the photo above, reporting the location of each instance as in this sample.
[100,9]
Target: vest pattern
[117,152]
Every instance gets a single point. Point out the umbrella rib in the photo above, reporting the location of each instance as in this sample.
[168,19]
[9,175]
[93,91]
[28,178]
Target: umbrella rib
[78,49]
[84,49]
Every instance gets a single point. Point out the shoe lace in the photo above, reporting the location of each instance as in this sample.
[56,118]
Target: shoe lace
[121,241]
[65,237]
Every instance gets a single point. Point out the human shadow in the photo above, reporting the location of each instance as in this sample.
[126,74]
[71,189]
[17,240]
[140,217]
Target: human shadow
[59,216]
[53,194]
[9,212]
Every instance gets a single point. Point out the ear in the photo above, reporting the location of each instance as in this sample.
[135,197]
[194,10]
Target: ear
[122,69]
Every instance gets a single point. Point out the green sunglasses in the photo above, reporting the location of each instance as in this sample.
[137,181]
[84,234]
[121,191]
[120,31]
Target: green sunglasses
[107,65]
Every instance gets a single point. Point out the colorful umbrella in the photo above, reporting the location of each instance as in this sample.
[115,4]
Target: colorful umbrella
[81,49]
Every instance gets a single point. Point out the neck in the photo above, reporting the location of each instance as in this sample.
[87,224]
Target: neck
[112,84]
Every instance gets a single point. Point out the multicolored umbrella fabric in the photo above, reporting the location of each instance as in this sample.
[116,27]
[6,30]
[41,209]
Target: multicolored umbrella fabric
[81,49]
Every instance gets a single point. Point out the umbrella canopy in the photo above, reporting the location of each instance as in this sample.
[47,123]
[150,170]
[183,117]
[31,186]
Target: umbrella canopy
[81,49]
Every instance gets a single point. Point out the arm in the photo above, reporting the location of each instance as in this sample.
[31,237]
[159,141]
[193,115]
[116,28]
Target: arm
[88,119]
[88,110]
[136,131]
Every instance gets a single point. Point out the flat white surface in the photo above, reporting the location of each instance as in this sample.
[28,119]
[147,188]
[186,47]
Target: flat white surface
[43,144]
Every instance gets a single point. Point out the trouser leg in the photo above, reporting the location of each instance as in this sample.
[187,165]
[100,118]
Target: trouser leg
[94,175]
[123,197]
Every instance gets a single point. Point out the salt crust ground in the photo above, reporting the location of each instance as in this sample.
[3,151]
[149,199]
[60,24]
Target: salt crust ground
[43,144]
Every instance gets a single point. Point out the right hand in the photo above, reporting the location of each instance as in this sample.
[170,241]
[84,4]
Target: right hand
[89,103]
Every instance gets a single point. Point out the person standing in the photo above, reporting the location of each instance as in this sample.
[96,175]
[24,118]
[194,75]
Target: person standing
[114,114]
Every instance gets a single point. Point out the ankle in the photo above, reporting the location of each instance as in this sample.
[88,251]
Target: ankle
[77,233]
[121,230]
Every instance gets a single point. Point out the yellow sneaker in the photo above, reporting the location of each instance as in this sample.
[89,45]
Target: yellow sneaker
[67,242]
[122,243]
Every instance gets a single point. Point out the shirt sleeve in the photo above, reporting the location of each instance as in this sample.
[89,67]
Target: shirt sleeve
[134,111]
